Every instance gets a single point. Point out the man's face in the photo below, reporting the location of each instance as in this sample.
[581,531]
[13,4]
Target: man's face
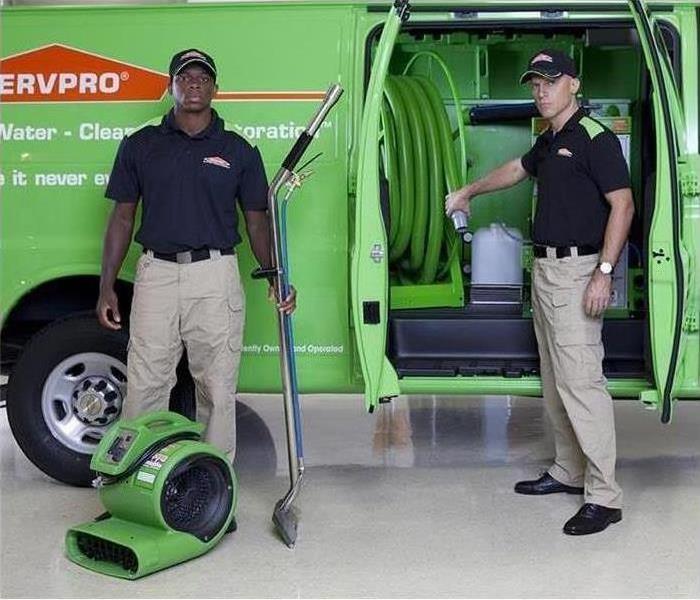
[552,96]
[193,89]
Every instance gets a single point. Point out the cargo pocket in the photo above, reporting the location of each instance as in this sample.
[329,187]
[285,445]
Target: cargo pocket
[579,352]
[236,318]
[562,306]
[585,335]
[142,265]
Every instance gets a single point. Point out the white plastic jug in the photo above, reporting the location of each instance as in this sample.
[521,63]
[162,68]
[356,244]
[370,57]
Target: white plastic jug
[496,256]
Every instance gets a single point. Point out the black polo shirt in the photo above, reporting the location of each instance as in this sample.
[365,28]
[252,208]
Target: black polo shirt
[574,169]
[189,184]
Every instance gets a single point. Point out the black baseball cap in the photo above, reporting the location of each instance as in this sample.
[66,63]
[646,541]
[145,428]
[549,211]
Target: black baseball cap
[192,56]
[551,64]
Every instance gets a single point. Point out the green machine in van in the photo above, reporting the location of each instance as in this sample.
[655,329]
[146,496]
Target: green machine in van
[391,299]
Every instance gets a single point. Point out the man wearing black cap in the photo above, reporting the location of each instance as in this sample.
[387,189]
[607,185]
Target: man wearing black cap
[584,211]
[188,169]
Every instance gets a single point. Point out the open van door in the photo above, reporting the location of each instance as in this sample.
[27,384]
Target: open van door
[369,269]
[667,260]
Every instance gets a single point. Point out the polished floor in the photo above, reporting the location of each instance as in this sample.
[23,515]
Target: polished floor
[413,501]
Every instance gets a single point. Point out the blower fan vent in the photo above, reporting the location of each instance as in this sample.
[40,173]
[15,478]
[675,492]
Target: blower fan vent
[168,497]
[196,496]
[98,549]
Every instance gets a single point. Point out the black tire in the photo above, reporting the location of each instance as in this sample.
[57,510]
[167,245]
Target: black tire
[54,344]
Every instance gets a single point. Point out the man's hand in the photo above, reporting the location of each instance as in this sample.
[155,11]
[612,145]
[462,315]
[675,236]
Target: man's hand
[459,200]
[597,296]
[290,302]
[108,310]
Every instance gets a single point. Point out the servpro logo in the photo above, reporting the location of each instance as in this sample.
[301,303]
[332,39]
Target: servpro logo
[58,73]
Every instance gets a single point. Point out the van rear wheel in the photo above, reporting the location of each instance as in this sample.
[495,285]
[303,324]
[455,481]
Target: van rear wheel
[67,389]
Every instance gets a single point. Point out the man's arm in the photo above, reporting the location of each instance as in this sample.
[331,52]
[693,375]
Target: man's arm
[117,239]
[619,222]
[258,226]
[597,295]
[505,176]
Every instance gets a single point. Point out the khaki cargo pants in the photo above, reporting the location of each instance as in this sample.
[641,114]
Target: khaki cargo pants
[574,388]
[198,306]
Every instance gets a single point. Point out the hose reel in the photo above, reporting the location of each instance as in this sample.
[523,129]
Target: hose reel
[420,167]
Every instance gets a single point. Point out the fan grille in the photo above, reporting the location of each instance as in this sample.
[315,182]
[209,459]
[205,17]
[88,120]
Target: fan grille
[197,496]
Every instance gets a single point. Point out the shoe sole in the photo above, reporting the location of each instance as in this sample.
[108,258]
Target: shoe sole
[610,522]
[573,492]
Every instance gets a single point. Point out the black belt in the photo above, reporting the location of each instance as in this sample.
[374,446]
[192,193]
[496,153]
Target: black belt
[563,251]
[189,256]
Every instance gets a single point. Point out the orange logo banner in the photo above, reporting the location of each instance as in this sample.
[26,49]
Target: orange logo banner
[58,73]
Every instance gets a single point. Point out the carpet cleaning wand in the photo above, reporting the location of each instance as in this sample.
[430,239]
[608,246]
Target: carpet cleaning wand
[283,516]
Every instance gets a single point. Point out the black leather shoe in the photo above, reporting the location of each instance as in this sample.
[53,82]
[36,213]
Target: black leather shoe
[592,518]
[546,484]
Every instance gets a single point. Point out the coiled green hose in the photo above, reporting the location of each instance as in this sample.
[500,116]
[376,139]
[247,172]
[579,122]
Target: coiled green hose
[420,164]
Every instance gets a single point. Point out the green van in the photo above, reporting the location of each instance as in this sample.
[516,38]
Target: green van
[391,300]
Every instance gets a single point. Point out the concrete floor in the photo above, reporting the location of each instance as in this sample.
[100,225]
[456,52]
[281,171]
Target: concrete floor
[415,501]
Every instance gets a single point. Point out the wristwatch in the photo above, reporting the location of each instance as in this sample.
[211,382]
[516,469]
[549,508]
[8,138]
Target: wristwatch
[605,268]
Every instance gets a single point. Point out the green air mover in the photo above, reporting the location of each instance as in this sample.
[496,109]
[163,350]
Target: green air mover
[169,497]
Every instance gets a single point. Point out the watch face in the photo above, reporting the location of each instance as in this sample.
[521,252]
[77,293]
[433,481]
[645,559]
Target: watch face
[605,268]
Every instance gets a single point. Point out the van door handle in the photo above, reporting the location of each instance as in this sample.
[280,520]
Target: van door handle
[377,253]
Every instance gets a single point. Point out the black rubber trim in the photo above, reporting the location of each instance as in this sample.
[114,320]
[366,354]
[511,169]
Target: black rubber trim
[677,58]
[675,211]
[297,151]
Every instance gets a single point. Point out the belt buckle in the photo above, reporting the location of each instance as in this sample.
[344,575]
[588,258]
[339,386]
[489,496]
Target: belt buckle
[183,258]
[551,252]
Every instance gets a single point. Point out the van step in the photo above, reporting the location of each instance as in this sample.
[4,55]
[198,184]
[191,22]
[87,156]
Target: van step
[472,368]
[449,343]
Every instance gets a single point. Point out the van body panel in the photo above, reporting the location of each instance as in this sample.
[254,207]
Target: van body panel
[57,151]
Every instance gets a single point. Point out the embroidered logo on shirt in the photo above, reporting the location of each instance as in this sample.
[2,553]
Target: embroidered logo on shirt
[565,152]
[217,160]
